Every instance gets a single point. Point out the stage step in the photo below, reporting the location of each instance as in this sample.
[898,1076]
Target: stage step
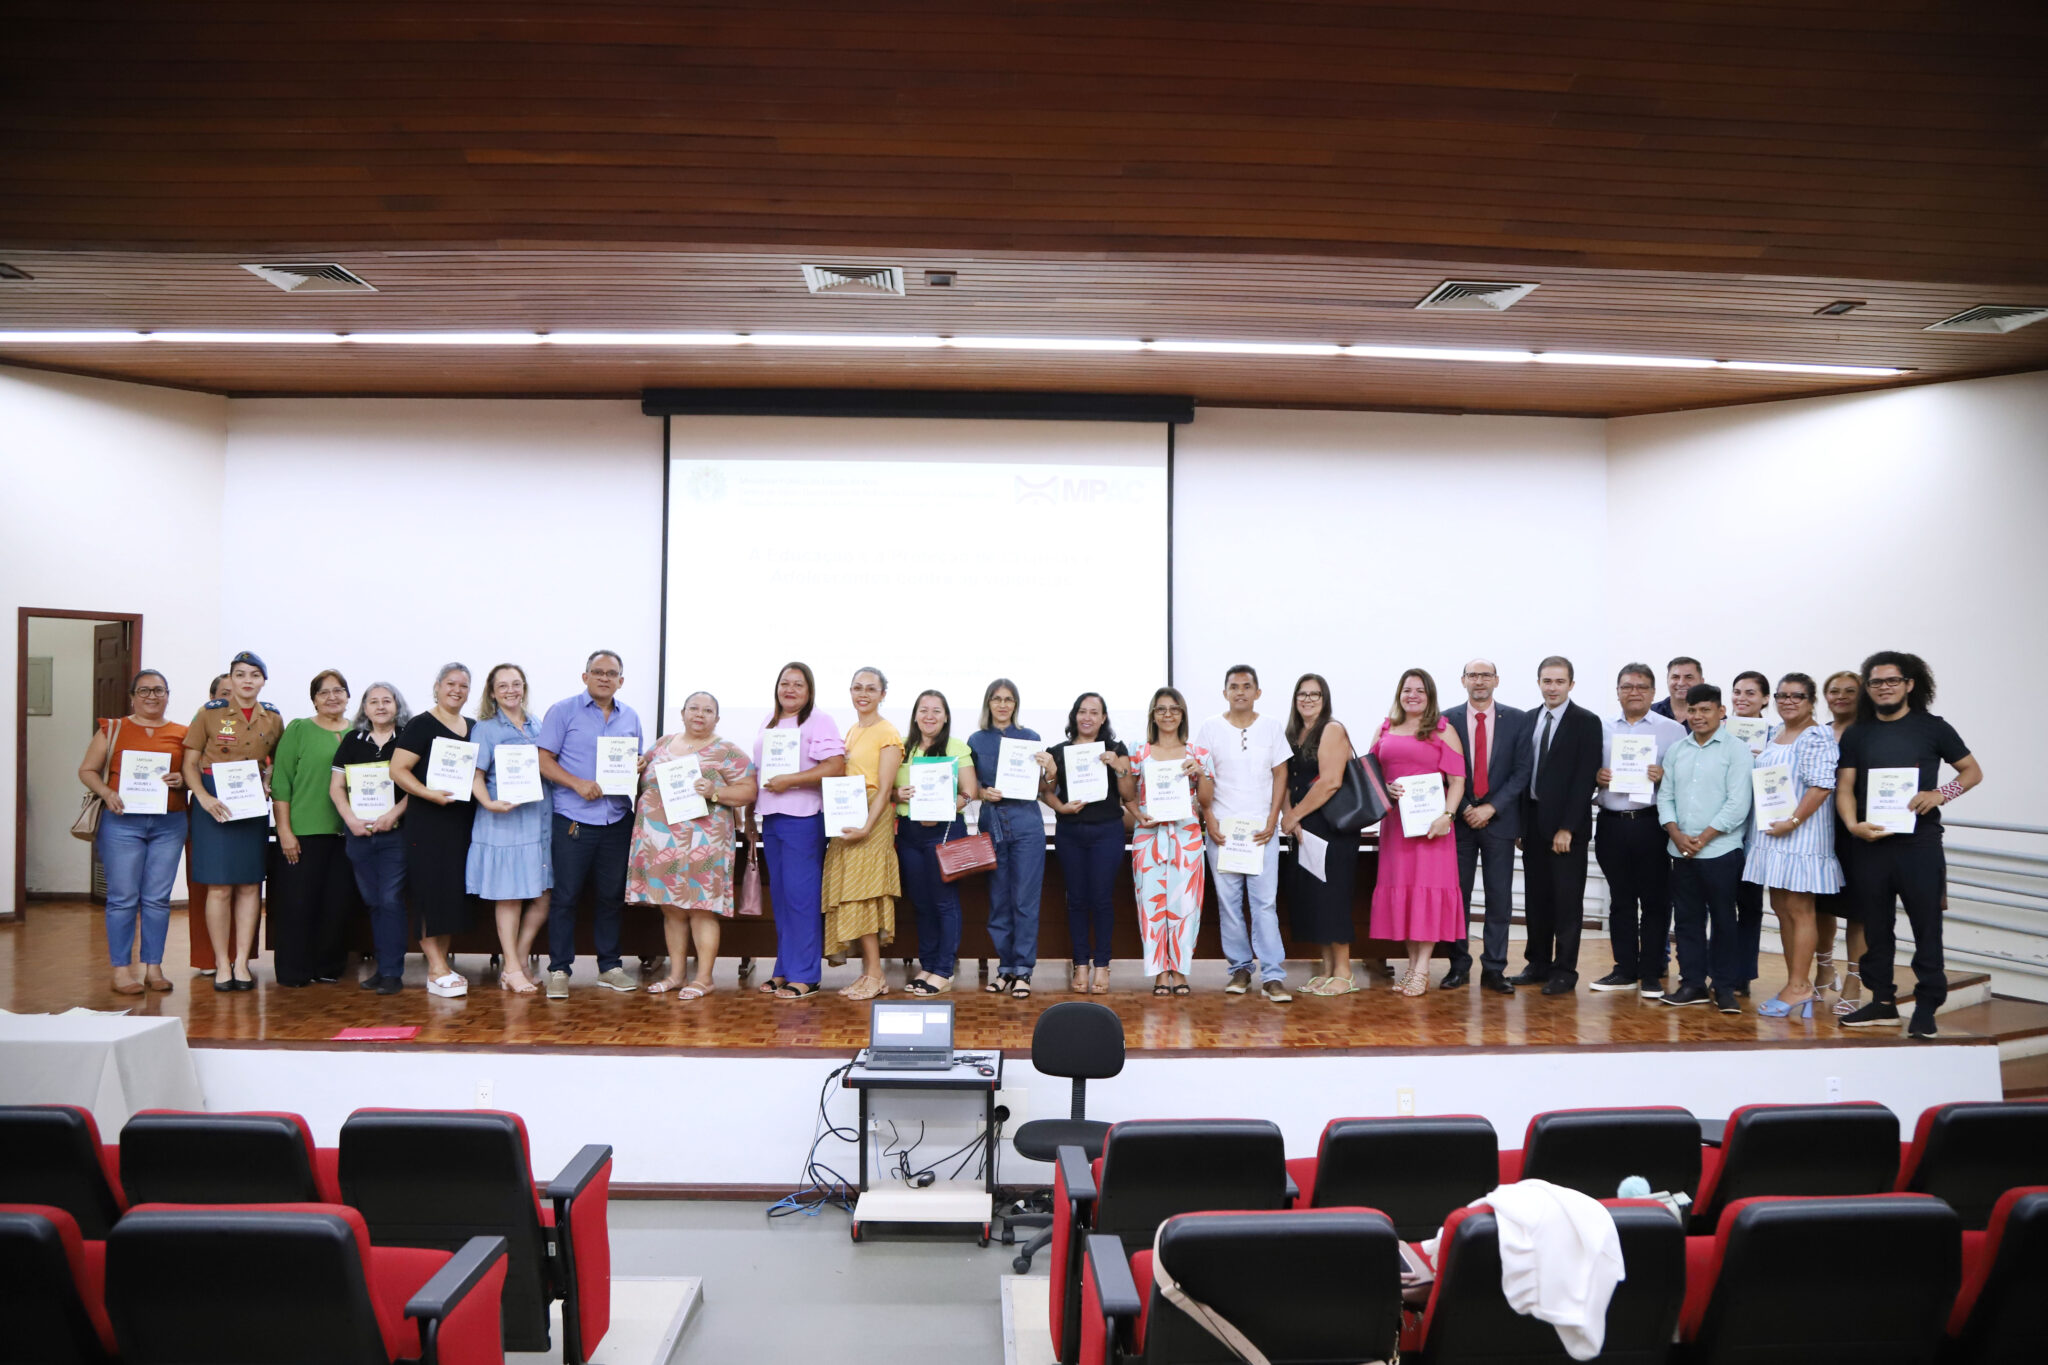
[2025,1078]
[1966,990]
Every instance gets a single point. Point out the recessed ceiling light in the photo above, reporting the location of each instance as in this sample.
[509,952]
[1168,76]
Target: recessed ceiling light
[888,342]
[1837,308]
[940,279]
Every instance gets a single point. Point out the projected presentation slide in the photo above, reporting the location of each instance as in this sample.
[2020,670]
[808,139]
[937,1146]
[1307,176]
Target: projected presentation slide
[946,553]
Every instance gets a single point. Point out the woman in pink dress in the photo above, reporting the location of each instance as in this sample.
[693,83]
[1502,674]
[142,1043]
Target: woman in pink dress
[1416,895]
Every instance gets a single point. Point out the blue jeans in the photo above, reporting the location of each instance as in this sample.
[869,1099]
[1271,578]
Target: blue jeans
[379,863]
[1233,890]
[936,902]
[597,854]
[140,854]
[794,846]
[1703,920]
[1014,886]
[1091,859]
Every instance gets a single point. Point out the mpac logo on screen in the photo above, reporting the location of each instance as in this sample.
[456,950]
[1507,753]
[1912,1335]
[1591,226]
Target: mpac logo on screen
[1063,490]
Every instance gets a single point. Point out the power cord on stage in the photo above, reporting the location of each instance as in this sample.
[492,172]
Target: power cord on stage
[821,1187]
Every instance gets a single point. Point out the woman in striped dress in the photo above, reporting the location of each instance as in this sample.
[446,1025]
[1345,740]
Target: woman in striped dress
[1795,857]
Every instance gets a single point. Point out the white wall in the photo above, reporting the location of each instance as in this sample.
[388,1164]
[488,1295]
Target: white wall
[1295,533]
[56,861]
[1805,535]
[393,536]
[113,496]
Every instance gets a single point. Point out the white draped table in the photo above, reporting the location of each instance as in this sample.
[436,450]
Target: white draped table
[113,1065]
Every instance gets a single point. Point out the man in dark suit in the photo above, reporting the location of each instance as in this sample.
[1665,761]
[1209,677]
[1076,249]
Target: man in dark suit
[1557,828]
[1497,757]
[1681,676]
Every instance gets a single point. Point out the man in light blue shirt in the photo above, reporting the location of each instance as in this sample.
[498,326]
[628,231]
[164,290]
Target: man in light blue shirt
[593,832]
[1703,804]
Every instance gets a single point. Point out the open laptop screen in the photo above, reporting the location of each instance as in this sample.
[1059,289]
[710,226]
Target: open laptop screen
[908,1025]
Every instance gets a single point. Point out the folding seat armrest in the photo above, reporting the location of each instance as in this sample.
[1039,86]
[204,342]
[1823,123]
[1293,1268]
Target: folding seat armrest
[1293,1193]
[1114,1287]
[581,1170]
[450,1285]
[1080,1177]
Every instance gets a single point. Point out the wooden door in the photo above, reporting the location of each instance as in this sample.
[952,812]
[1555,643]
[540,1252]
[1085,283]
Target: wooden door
[113,664]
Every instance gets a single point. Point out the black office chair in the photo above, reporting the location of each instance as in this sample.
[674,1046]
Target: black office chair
[1083,1042]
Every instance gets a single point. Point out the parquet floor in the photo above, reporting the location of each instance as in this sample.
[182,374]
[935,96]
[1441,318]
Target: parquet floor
[55,960]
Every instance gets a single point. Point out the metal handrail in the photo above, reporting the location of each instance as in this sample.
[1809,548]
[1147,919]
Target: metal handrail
[1987,824]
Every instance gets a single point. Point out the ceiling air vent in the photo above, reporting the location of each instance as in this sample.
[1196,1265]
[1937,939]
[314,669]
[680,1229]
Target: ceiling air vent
[316,277]
[13,272]
[1491,296]
[1990,317]
[854,279]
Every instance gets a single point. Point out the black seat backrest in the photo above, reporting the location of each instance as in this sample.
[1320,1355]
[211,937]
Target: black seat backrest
[1414,1170]
[1804,1150]
[2008,1325]
[1470,1320]
[50,1155]
[1303,1286]
[42,1313]
[1886,1266]
[1155,1168]
[436,1178]
[1594,1150]
[240,1287]
[179,1158]
[1078,1040]
[1974,1153]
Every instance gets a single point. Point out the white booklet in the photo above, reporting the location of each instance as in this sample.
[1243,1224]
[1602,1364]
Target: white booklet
[932,791]
[1775,798]
[1313,851]
[1087,774]
[1239,853]
[370,790]
[1422,800]
[1888,797]
[1168,795]
[1629,759]
[846,804]
[618,765]
[1017,769]
[1754,731]
[516,768]
[143,790]
[239,785]
[782,753]
[451,766]
[677,778]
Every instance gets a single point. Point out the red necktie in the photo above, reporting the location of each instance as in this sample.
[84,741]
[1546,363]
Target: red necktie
[1479,756]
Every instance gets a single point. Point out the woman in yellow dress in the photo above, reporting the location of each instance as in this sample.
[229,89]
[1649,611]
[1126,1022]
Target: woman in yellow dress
[861,879]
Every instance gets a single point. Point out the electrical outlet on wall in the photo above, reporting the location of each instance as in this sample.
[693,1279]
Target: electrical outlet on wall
[1834,1088]
[484,1091]
[1404,1100]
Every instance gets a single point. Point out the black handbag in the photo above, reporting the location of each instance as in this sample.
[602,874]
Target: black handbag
[1361,799]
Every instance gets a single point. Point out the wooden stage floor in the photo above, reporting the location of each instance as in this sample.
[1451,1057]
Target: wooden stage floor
[55,960]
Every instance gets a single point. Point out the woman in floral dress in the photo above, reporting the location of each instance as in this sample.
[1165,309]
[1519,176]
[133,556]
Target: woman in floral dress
[685,866]
[1166,855]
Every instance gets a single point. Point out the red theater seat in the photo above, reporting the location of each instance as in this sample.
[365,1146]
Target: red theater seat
[1970,1154]
[1302,1286]
[1800,1149]
[1150,1170]
[1416,1170]
[1822,1281]
[52,1154]
[251,1283]
[1594,1150]
[1468,1317]
[173,1156]
[52,1289]
[2001,1315]
[436,1178]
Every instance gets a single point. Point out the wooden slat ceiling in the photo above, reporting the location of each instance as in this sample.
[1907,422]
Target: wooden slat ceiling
[1682,179]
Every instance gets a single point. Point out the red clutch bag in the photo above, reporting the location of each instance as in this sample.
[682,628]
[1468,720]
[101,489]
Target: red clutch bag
[964,857]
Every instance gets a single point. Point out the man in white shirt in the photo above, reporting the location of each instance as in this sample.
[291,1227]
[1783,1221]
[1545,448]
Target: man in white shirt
[1628,839]
[1250,754]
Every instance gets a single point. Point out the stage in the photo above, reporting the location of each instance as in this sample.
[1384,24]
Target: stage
[720,1095]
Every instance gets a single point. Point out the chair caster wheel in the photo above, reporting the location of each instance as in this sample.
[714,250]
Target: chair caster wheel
[1009,1237]
[1022,1265]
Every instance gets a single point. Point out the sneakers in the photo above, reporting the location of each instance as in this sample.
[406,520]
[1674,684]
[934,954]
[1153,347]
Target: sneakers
[1922,1025]
[617,979]
[1653,988]
[1876,1014]
[1277,992]
[1616,980]
[1727,1003]
[1688,995]
[451,985]
[558,985]
[390,985]
[1240,982]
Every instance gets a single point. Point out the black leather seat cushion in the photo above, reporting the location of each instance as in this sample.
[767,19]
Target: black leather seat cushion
[1414,1170]
[1041,1139]
[1594,1150]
